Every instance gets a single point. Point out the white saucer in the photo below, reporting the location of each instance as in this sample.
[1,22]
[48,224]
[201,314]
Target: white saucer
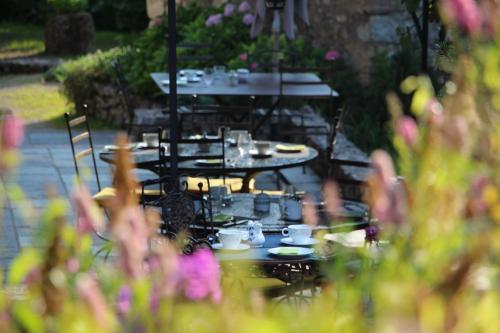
[256,154]
[308,242]
[241,247]
[299,252]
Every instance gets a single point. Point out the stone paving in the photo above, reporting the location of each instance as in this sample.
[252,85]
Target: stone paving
[47,164]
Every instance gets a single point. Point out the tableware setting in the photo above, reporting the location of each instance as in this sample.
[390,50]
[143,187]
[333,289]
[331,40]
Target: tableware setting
[261,149]
[243,75]
[231,240]
[291,208]
[211,162]
[291,252]
[298,234]
[287,148]
[150,139]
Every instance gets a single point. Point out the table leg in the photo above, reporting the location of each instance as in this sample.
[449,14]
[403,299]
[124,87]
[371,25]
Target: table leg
[246,181]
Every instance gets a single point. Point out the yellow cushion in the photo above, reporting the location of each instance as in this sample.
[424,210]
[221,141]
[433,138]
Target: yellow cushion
[110,192]
[105,194]
[270,192]
[234,183]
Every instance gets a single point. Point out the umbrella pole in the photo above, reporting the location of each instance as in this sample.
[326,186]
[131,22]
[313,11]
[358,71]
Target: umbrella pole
[276,41]
[172,74]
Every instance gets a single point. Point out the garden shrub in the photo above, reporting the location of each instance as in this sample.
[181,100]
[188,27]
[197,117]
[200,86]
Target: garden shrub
[78,76]
[67,6]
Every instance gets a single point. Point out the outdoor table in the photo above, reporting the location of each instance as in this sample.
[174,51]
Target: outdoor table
[235,163]
[259,84]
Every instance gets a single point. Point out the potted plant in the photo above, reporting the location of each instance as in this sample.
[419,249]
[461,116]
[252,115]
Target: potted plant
[69,28]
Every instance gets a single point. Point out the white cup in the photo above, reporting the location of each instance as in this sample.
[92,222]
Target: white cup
[262,147]
[151,139]
[230,238]
[299,233]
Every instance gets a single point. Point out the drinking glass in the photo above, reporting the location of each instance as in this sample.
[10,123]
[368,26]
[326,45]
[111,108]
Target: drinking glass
[217,195]
[208,76]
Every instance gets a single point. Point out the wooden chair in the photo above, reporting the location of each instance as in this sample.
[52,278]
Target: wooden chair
[137,121]
[78,136]
[212,117]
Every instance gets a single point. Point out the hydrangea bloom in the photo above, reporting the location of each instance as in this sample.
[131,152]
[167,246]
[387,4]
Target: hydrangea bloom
[248,19]
[244,56]
[229,9]
[200,276]
[12,132]
[254,66]
[88,218]
[213,20]
[408,130]
[332,55]
[466,13]
[244,7]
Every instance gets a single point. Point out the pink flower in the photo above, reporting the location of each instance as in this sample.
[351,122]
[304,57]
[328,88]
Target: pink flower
[466,13]
[12,132]
[332,55]
[124,303]
[87,212]
[229,9]
[200,276]
[73,265]
[158,21]
[244,7]
[213,20]
[131,233]
[244,56]
[88,290]
[254,66]
[388,195]
[248,19]
[408,130]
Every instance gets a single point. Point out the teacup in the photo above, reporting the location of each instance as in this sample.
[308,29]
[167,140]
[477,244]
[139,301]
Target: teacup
[299,233]
[230,238]
[151,139]
[262,147]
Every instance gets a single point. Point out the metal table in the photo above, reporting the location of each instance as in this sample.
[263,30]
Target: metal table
[259,84]
[235,163]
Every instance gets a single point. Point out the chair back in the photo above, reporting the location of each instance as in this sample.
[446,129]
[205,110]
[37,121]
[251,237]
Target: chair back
[125,95]
[79,133]
[212,117]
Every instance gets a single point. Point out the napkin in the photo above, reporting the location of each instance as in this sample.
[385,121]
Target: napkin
[287,251]
[287,148]
[222,218]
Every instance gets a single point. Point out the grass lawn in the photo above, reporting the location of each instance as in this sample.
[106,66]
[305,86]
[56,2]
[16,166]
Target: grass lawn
[32,99]
[23,40]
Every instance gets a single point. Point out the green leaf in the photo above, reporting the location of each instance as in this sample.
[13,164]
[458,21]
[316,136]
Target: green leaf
[22,265]
[31,320]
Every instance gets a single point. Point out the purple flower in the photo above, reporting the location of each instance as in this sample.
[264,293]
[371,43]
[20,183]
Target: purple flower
[387,195]
[466,13]
[88,289]
[244,7]
[229,9]
[131,234]
[12,132]
[332,55]
[371,234]
[213,20]
[123,305]
[200,276]
[248,19]
[408,130]
[88,218]
[254,66]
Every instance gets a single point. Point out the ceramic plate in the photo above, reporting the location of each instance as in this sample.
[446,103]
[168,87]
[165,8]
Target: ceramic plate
[216,162]
[291,252]
[241,247]
[308,242]
[222,218]
[255,154]
[290,148]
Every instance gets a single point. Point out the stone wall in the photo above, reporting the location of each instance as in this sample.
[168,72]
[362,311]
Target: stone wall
[357,28]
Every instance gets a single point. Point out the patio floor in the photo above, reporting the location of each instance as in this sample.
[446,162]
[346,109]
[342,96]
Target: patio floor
[47,163]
